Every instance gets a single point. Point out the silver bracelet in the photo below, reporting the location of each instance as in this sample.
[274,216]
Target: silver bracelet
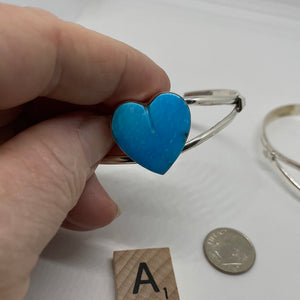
[206,98]
[270,152]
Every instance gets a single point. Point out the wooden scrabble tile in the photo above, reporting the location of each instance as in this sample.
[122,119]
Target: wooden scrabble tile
[145,274]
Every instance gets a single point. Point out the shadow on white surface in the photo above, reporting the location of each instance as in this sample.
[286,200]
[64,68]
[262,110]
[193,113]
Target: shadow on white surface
[68,10]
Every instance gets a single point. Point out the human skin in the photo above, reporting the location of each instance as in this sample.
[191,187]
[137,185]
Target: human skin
[58,84]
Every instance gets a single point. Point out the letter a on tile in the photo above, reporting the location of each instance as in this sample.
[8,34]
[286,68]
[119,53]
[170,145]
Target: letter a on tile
[144,274]
[143,267]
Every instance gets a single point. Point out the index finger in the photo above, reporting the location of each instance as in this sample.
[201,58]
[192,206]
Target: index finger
[44,56]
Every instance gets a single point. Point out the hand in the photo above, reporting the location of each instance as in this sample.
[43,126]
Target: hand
[48,152]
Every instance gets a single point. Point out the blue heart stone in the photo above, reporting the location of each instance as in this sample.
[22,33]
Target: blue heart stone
[153,135]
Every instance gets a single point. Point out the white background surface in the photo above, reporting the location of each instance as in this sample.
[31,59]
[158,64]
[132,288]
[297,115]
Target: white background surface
[251,46]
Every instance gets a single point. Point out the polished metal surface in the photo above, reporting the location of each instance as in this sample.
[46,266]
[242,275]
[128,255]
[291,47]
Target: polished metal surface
[205,97]
[229,250]
[270,152]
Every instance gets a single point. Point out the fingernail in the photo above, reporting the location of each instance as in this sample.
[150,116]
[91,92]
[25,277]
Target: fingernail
[118,213]
[96,137]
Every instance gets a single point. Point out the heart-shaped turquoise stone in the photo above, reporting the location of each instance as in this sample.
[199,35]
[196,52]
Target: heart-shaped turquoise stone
[153,135]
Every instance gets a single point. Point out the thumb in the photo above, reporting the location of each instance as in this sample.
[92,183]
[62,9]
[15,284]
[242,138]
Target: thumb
[44,171]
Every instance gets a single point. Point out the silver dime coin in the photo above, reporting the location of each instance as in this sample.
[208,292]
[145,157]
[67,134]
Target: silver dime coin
[229,250]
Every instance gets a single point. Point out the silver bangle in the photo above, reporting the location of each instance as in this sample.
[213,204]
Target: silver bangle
[270,152]
[205,97]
